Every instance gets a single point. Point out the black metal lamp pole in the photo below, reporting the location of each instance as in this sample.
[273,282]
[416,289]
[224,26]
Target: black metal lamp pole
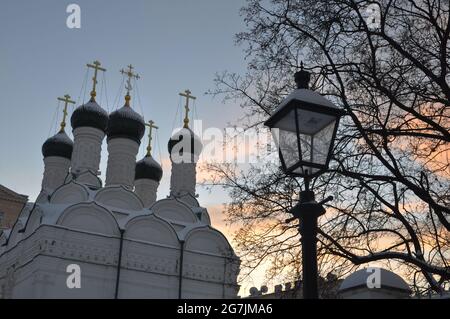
[304,126]
[307,211]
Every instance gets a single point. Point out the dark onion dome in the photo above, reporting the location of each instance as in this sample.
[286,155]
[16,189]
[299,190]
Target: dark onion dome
[91,115]
[148,168]
[126,123]
[190,141]
[58,145]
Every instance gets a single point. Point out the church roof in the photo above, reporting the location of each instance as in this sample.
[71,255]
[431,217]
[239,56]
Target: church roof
[126,123]
[148,168]
[58,145]
[90,115]
[187,142]
[121,204]
[388,279]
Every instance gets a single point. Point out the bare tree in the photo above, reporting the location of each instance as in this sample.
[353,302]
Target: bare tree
[386,64]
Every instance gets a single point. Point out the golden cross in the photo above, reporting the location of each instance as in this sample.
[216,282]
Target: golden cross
[187,95]
[129,73]
[96,66]
[66,101]
[151,127]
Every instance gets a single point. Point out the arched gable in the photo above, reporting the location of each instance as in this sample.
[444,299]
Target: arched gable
[69,194]
[89,217]
[89,178]
[120,197]
[174,210]
[188,199]
[152,229]
[208,240]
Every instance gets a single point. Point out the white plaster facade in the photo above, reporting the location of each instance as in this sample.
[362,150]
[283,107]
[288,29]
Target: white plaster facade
[56,169]
[121,162]
[146,189]
[183,179]
[125,243]
[167,251]
[86,149]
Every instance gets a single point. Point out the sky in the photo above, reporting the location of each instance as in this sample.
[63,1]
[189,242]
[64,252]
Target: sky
[173,45]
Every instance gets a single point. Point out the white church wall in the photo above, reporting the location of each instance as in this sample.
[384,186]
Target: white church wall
[143,285]
[121,162]
[206,271]
[198,289]
[151,253]
[36,267]
[183,178]
[208,260]
[55,171]
[87,149]
[146,189]
[47,278]
[149,271]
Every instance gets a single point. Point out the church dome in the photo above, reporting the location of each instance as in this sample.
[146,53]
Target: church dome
[190,141]
[126,123]
[148,168]
[388,279]
[58,145]
[90,115]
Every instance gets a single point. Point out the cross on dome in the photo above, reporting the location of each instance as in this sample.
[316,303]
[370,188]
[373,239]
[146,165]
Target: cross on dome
[187,95]
[66,101]
[96,66]
[151,126]
[129,73]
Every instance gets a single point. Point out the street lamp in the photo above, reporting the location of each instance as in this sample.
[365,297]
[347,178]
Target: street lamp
[304,128]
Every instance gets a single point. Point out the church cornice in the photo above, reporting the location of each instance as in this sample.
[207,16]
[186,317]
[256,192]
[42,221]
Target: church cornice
[46,241]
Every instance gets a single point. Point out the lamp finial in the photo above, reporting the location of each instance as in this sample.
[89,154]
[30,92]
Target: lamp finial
[302,77]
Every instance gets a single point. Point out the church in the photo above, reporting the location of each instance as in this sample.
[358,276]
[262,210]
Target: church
[120,239]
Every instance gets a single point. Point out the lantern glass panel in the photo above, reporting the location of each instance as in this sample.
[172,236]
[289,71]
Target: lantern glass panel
[286,141]
[304,137]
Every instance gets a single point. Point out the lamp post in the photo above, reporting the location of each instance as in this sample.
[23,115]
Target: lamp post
[304,128]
